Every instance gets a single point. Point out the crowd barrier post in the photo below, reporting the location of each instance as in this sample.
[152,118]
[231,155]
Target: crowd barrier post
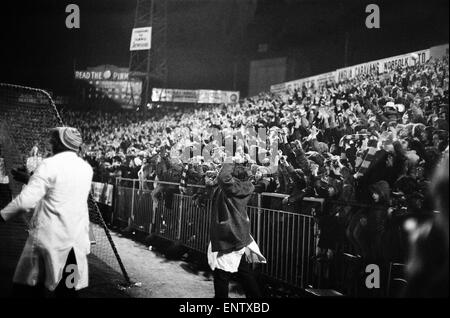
[115,198]
[180,209]
[258,220]
[316,230]
[153,212]
[131,218]
[258,224]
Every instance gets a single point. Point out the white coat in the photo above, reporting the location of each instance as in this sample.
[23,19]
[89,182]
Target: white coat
[58,192]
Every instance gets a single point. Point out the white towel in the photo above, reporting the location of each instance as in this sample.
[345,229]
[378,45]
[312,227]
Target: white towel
[229,262]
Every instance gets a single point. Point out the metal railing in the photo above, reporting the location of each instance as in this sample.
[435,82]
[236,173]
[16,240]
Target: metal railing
[287,239]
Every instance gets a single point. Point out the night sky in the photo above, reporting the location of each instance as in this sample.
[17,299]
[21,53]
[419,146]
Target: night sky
[205,38]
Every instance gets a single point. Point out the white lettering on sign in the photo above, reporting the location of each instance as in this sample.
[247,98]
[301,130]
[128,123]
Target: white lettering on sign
[141,39]
[378,66]
[106,75]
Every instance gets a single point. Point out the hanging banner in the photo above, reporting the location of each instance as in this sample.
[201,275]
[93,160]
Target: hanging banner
[404,60]
[312,81]
[161,95]
[39,99]
[231,97]
[324,79]
[217,97]
[174,95]
[278,88]
[373,67]
[356,70]
[288,87]
[194,96]
[141,39]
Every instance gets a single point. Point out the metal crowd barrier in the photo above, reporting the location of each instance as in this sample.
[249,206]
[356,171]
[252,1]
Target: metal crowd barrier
[287,239]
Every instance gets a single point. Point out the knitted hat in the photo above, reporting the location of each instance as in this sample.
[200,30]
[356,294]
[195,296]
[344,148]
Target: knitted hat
[70,137]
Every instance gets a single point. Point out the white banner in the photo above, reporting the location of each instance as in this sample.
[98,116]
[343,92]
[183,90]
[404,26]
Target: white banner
[325,78]
[383,65]
[316,81]
[372,67]
[283,88]
[278,88]
[231,97]
[217,97]
[38,98]
[141,39]
[202,96]
[174,95]
[404,60]
[161,95]
[355,70]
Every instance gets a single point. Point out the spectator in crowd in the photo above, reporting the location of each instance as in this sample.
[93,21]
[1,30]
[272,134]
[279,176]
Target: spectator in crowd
[427,266]
[232,247]
[336,141]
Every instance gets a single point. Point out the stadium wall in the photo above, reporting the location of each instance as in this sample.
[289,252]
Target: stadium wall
[265,72]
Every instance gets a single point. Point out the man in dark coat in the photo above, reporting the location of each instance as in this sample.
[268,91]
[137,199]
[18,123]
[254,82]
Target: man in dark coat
[230,232]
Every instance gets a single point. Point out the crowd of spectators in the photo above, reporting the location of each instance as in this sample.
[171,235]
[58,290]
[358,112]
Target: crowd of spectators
[371,142]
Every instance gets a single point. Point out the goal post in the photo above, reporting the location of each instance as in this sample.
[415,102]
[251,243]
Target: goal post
[26,117]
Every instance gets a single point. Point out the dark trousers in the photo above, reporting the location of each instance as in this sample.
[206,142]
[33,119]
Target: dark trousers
[39,291]
[245,276]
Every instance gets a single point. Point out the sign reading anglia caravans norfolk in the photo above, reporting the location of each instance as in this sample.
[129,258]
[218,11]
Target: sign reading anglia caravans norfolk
[373,67]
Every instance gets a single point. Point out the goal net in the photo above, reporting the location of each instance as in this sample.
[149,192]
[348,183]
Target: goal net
[26,117]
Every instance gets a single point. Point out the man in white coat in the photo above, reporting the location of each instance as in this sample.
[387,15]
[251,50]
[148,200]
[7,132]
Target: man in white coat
[55,254]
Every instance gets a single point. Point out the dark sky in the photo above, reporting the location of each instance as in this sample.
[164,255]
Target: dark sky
[205,37]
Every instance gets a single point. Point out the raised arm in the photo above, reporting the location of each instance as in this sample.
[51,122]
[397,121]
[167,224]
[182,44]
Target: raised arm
[232,185]
[31,194]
